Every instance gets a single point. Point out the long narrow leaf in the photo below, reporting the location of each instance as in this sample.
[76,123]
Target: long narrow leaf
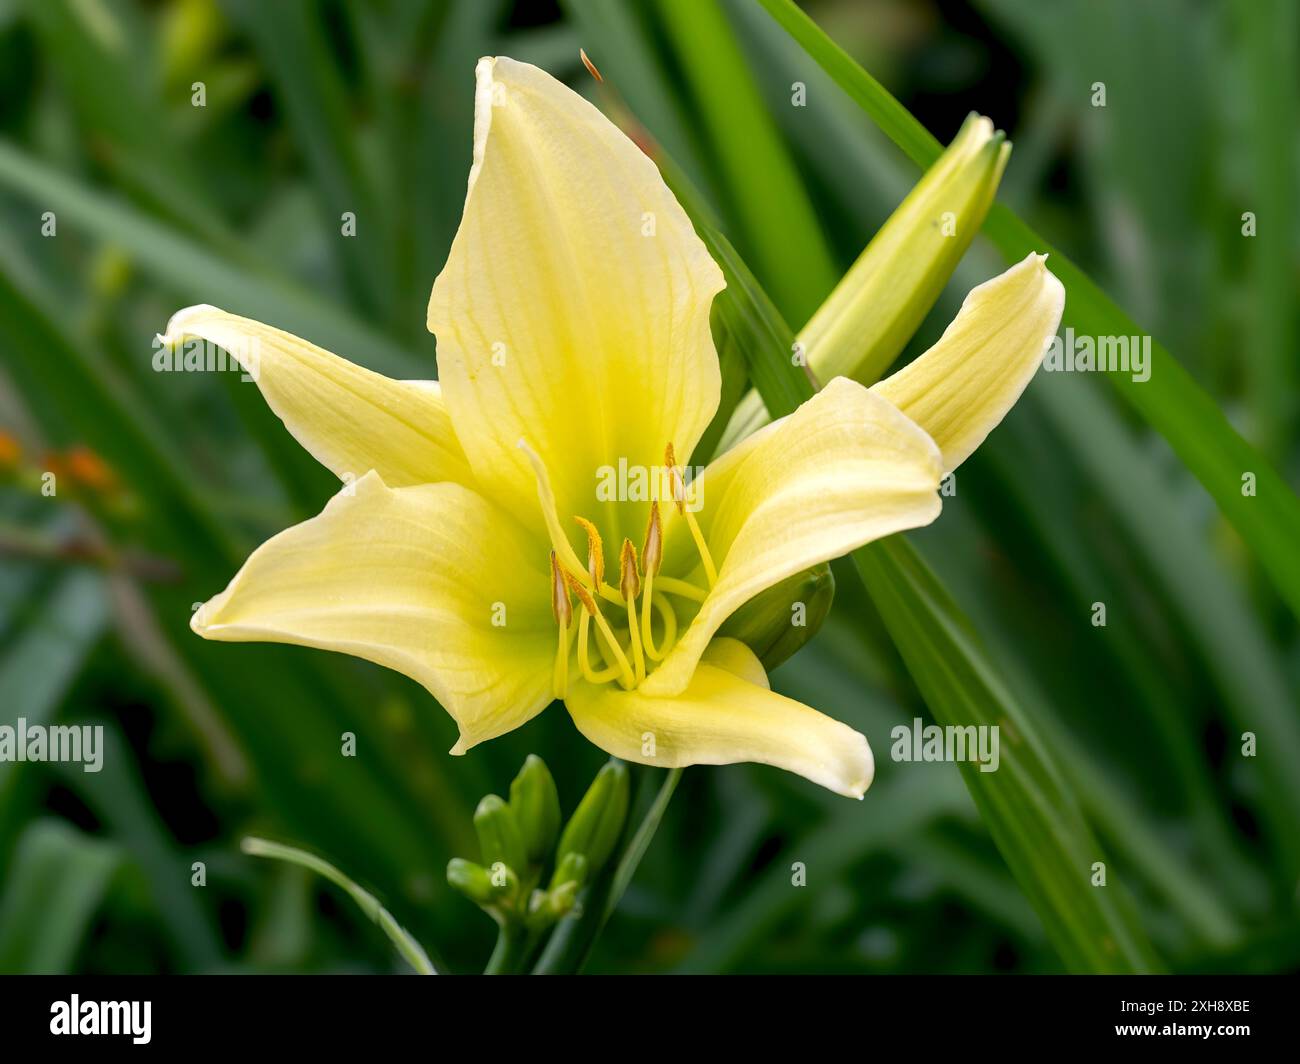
[411,950]
[1170,401]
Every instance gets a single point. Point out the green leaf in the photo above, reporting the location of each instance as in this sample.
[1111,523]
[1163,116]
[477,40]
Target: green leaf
[778,223]
[367,902]
[291,41]
[56,883]
[1170,401]
[59,627]
[1026,804]
[182,265]
[897,808]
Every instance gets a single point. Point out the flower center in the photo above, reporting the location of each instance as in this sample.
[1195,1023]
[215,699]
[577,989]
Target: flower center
[637,626]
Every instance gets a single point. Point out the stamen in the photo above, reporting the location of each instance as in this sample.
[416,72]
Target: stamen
[560,674]
[652,547]
[630,585]
[679,494]
[629,582]
[562,607]
[589,604]
[584,659]
[595,553]
[670,628]
[666,611]
[546,497]
[681,587]
[652,554]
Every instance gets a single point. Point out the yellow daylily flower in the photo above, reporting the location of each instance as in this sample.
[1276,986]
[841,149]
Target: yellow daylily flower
[472,546]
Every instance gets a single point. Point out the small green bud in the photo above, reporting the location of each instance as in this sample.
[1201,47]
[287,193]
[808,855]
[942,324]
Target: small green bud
[471,880]
[562,899]
[571,869]
[498,834]
[596,824]
[536,806]
[783,618]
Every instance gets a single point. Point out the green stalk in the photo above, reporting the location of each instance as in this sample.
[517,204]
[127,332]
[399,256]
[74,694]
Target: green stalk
[511,950]
[571,944]
[401,939]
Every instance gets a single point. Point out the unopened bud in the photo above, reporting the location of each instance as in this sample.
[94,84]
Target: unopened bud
[595,827]
[778,621]
[535,804]
[498,834]
[470,879]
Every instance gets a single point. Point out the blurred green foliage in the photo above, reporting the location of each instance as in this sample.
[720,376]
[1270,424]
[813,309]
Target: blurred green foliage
[168,479]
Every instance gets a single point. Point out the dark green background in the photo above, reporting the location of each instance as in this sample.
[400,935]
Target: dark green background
[317,108]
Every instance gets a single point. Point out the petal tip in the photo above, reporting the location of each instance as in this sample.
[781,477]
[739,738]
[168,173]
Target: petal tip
[178,324]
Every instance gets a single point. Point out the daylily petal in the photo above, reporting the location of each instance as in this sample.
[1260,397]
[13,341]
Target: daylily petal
[737,659]
[432,581]
[349,418]
[721,719]
[842,470]
[573,312]
[960,389]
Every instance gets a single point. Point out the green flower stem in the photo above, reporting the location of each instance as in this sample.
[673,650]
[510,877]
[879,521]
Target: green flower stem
[512,948]
[401,939]
[572,942]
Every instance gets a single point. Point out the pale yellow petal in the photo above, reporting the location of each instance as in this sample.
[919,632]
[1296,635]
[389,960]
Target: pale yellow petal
[960,389]
[573,312]
[736,658]
[349,418]
[842,470]
[722,719]
[432,581]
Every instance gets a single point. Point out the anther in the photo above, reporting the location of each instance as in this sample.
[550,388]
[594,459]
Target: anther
[652,547]
[630,585]
[561,605]
[629,582]
[595,553]
[675,475]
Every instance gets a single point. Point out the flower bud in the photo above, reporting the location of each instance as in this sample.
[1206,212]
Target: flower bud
[571,869]
[498,834]
[471,880]
[562,899]
[783,618]
[535,803]
[594,829]
[876,308]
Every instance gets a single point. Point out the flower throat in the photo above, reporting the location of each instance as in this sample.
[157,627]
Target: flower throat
[625,650]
